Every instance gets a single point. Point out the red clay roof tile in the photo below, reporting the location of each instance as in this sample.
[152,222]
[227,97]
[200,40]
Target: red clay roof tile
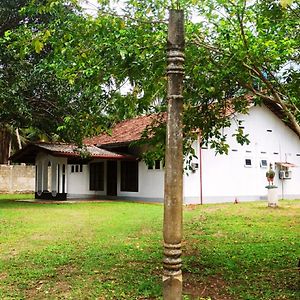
[124,132]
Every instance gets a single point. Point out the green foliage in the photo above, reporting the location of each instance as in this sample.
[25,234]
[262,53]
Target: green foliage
[65,73]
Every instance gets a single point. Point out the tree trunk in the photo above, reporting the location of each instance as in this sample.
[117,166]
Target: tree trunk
[4,145]
[18,138]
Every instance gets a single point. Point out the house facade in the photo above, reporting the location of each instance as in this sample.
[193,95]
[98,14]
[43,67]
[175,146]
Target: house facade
[111,169]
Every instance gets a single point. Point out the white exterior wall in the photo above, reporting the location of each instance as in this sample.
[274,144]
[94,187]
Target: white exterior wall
[79,182]
[225,177]
[192,180]
[151,184]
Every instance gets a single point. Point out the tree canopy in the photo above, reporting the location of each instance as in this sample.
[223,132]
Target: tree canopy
[71,75]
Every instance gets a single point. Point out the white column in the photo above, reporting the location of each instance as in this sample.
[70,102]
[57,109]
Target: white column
[53,177]
[58,170]
[45,175]
[39,177]
[64,177]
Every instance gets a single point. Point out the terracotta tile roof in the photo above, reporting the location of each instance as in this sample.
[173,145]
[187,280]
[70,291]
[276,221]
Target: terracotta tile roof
[124,132]
[73,150]
[29,152]
[131,130]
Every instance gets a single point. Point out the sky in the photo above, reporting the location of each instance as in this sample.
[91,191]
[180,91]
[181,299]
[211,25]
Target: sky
[91,6]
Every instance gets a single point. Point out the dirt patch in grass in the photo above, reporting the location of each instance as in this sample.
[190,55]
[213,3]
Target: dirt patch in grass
[63,272]
[213,287]
[44,289]
[53,286]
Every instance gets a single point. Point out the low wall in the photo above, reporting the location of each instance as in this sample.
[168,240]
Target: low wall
[17,178]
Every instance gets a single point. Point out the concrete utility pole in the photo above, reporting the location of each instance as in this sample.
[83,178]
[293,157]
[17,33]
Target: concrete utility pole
[172,275]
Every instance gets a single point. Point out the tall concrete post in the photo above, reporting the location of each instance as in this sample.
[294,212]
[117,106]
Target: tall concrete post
[172,232]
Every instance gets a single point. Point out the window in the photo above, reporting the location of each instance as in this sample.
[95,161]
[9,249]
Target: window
[76,168]
[248,151]
[297,154]
[276,153]
[269,130]
[129,176]
[263,163]
[157,165]
[234,150]
[97,176]
[263,152]
[248,162]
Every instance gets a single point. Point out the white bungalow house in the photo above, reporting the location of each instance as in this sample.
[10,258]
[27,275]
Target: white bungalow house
[113,170]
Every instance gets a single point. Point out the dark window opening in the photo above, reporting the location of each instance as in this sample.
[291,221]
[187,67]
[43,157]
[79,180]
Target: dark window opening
[248,151]
[150,167]
[263,152]
[157,165]
[248,162]
[234,150]
[76,168]
[276,153]
[263,163]
[298,154]
[269,130]
[97,176]
[129,176]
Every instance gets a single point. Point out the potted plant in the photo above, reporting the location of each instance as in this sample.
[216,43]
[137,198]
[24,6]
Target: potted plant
[270,175]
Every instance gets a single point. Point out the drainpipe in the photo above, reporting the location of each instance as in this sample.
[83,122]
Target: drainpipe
[200,169]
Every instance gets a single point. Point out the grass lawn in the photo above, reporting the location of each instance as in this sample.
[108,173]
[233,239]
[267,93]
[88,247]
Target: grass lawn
[113,250]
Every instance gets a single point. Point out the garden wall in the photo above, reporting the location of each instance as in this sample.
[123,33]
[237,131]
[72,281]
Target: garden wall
[17,178]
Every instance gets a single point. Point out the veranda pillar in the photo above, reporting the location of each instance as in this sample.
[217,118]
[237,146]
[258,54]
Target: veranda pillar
[172,275]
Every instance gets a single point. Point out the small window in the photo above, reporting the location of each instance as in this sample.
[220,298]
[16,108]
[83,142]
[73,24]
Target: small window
[248,162]
[297,154]
[263,163]
[76,168]
[242,127]
[269,130]
[150,167]
[276,153]
[263,152]
[157,165]
[248,151]
[234,150]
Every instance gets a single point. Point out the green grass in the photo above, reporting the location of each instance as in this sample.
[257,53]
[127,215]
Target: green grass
[16,196]
[113,250]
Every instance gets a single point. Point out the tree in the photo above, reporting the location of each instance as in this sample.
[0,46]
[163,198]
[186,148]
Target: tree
[32,92]
[252,46]
[66,69]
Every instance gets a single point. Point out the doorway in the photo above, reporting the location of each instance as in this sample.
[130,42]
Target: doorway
[112,178]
